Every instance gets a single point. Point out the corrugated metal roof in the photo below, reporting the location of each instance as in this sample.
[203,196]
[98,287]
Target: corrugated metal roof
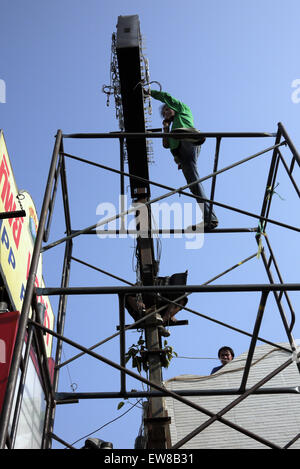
[275,417]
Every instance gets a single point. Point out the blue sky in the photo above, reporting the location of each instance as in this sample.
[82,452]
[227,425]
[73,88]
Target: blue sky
[234,63]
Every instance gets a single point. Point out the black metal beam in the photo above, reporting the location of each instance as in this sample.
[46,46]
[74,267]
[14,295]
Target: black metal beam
[164,186]
[256,287]
[14,214]
[62,397]
[173,135]
[21,333]
[289,142]
[213,417]
[254,339]
[129,67]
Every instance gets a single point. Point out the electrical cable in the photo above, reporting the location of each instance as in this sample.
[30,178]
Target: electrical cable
[197,358]
[108,423]
[73,385]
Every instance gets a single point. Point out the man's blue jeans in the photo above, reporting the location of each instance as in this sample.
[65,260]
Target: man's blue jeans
[187,155]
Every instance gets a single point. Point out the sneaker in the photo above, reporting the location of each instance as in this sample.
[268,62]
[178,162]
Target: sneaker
[163,331]
[211,225]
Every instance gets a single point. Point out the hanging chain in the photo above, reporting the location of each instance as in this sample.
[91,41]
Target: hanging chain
[20,197]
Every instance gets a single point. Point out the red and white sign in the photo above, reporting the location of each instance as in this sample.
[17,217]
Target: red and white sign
[8,330]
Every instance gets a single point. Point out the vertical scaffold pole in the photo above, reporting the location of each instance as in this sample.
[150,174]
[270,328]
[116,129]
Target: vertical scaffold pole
[21,333]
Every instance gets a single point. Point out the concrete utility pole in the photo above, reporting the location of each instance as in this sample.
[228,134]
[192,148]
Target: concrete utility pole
[128,44]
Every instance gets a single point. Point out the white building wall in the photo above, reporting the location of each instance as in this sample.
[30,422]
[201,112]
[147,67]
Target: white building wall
[275,417]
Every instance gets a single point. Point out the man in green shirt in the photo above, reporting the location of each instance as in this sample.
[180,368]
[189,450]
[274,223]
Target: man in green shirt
[185,152]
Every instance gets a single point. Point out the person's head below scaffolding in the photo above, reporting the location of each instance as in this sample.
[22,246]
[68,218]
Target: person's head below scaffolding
[225,355]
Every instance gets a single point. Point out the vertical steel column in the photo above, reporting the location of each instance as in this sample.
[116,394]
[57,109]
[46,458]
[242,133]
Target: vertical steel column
[289,172]
[17,355]
[281,281]
[280,308]
[256,328]
[122,341]
[270,180]
[289,142]
[213,184]
[61,314]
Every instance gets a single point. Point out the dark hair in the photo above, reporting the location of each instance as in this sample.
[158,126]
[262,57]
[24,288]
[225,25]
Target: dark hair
[225,348]
[162,107]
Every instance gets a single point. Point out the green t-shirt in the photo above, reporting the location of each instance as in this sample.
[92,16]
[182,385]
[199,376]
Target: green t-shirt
[183,115]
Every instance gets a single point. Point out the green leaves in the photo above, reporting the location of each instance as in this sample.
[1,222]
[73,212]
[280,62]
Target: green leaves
[137,354]
[169,353]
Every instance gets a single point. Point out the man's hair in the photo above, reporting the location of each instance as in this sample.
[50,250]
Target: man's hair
[162,107]
[222,349]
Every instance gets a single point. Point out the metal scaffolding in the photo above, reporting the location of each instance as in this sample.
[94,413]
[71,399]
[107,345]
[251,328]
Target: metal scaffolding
[157,420]
[156,390]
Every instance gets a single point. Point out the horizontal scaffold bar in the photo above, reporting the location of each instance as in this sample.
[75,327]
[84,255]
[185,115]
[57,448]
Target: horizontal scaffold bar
[66,396]
[166,231]
[15,214]
[258,287]
[171,134]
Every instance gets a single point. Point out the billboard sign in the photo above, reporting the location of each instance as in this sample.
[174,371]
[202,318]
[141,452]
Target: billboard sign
[17,237]
[8,332]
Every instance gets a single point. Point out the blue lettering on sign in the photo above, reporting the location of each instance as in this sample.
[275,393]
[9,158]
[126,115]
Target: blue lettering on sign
[5,241]
[22,294]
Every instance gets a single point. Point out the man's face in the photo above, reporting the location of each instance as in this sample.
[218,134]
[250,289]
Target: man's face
[168,114]
[225,356]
